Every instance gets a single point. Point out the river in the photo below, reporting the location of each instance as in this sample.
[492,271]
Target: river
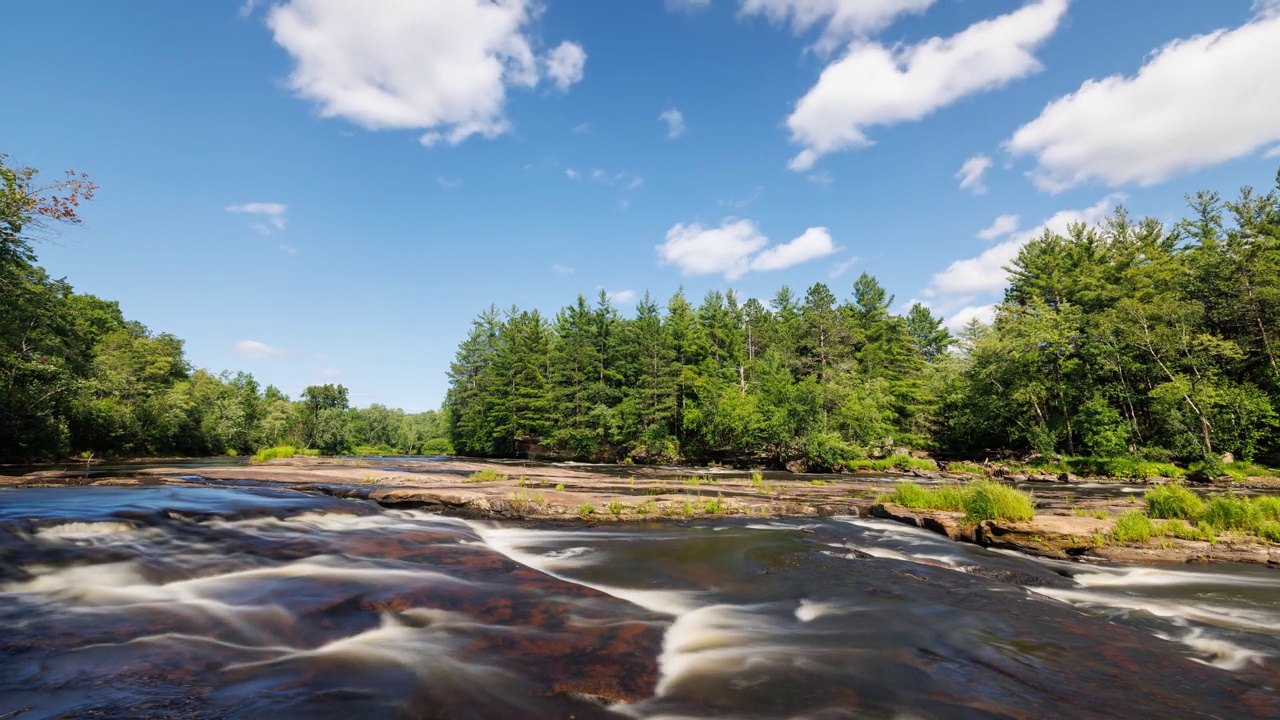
[216,602]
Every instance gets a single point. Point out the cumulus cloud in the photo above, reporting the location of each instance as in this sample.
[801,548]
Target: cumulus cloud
[257,350]
[971,172]
[675,123]
[982,313]
[811,245]
[565,64]
[572,174]
[621,297]
[559,269]
[1002,226]
[735,247]
[442,67]
[270,217]
[1196,102]
[965,279]
[844,19]
[874,84]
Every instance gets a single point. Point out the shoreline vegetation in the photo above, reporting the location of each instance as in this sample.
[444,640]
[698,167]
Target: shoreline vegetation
[1166,523]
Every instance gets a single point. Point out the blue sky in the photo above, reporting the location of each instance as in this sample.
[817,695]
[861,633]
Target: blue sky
[330,190]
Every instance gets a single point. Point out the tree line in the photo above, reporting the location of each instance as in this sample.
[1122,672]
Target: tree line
[1129,338]
[77,377]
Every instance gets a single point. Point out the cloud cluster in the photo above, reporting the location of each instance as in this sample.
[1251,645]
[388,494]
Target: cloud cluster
[443,67]
[737,247]
[874,84]
[270,217]
[1196,102]
[844,19]
[969,278]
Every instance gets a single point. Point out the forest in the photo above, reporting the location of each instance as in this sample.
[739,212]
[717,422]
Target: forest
[1132,338]
[78,378]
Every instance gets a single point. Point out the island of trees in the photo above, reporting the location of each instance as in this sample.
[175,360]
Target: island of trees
[78,378]
[1131,338]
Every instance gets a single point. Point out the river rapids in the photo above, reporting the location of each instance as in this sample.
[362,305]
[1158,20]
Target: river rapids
[214,602]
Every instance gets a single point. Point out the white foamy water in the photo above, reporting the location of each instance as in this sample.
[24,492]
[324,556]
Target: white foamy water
[82,530]
[1158,577]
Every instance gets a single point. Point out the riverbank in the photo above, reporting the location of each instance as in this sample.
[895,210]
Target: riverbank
[1075,519]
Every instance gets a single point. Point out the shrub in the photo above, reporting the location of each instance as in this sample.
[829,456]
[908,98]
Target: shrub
[1230,512]
[1173,502]
[1267,507]
[486,475]
[560,487]
[1269,531]
[986,500]
[437,446]
[1133,526]
[279,451]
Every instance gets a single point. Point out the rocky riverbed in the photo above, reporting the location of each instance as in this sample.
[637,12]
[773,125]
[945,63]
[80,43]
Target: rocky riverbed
[1074,517]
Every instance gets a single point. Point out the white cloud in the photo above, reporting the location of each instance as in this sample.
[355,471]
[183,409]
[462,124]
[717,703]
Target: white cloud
[572,174]
[971,174]
[736,247]
[982,313]
[873,84]
[288,249]
[565,64]
[820,178]
[629,180]
[965,279]
[621,297]
[1196,102]
[842,268]
[257,350]
[581,129]
[1002,226]
[688,6]
[1272,153]
[675,123]
[246,9]
[811,245]
[740,203]
[561,269]
[331,373]
[443,67]
[273,216]
[449,183]
[845,19]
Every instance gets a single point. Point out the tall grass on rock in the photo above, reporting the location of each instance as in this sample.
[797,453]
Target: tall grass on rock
[987,500]
[279,451]
[1173,502]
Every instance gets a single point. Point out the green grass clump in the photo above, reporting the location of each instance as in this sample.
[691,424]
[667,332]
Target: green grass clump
[1267,507]
[1176,528]
[1133,526]
[1230,512]
[616,508]
[901,462]
[586,510]
[486,475]
[559,487]
[309,452]
[1171,502]
[966,467]
[714,506]
[987,500]
[1269,531]
[909,495]
[1242,469]
[757,479]
[854,465]
[1129,468]
[279,451]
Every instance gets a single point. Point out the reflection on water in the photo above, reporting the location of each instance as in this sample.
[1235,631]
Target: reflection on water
[213,602]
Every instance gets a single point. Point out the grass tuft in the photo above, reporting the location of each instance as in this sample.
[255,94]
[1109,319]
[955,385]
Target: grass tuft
[279,451]
[1133,526]
[486,475]
[1173,502]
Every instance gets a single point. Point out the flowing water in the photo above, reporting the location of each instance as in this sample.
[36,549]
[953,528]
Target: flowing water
[203,602]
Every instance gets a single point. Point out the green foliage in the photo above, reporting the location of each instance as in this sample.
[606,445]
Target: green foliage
[1133,526]
[586,510]
[1230,512]
[966,468]
[616,508]
[714,506]
[987,500]
[279,451]
[1269,531]
[437,446]
[486,475]
[1173,502]
[1177,529]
